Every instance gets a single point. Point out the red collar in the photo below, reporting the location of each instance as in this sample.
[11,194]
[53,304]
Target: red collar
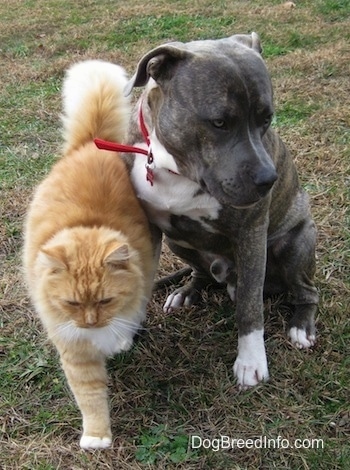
[115,147]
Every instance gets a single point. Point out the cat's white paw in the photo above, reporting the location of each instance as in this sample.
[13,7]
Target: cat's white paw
[93,442]
[300,339]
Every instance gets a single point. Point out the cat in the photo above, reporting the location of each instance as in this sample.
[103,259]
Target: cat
[88,257]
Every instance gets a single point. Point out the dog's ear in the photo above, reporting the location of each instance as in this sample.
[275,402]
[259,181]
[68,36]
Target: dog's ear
[250,40]
[158,64]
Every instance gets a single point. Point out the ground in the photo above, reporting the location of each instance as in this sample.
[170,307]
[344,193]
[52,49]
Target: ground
[177,381]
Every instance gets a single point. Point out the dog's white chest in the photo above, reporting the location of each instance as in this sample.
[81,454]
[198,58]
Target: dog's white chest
[172,194]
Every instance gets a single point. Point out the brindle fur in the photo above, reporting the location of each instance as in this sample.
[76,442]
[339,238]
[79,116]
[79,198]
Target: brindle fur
[264,224]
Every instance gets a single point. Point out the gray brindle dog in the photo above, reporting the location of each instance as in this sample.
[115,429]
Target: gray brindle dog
[222,187]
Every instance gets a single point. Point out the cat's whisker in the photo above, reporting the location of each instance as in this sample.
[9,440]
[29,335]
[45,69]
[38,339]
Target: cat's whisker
[120,327]
[62,328]
[131,325]
[118,332]
[68,330]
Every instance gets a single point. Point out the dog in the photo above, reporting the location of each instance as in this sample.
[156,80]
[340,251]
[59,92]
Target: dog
[221,185]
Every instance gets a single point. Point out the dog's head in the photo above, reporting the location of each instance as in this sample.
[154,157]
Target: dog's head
[211,104]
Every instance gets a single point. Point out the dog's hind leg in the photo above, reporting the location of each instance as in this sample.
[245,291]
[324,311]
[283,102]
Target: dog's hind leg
[294,255]
[223,271]
[190,293]
[173,278]
[187,295]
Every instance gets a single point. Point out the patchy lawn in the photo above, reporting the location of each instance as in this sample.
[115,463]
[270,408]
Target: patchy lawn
[177,381]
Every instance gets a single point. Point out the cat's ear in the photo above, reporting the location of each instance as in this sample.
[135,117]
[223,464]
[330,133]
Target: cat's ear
[118,257]
[53,258]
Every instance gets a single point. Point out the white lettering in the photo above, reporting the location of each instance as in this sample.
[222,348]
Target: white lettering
[270,443]
[225,442]
[262,442]
[258,444]
[215,444]
[206,443]
[249,443]
[196,442]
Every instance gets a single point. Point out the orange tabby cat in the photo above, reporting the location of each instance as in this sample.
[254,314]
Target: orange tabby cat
[88,256]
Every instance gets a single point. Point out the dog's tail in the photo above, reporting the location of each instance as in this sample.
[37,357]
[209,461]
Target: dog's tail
[94,104]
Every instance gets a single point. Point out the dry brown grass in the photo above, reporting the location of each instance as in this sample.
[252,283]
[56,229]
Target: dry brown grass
[179,372]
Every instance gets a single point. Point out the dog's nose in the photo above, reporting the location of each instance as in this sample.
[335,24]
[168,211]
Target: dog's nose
[264,181]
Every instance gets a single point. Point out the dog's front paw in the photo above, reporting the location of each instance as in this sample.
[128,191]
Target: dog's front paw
[250,373]
[250,367]
[182,297]
[301,339]
[94,442]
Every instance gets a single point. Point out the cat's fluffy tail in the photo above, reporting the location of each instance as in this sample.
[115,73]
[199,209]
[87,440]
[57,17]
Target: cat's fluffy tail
[94,104]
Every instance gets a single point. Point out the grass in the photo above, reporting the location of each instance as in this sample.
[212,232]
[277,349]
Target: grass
[177,381]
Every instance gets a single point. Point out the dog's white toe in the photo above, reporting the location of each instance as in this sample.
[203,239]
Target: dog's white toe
[179,298]
[249,375]
[300,339]
[231,292]
[250,367]
[93,442]
[174,301]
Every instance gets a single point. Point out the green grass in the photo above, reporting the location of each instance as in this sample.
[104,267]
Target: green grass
[179,27]
[177,381]
[334,10]
[158,444]
[291,114]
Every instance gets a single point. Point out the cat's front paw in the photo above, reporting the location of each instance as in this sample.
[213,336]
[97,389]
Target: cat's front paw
[94,442]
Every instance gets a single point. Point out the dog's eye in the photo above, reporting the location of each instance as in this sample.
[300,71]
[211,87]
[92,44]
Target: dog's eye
[263,120]
[219,123]
[268,120]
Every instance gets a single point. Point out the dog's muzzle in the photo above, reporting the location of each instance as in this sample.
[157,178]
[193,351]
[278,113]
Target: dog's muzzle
[241,189]
[264,180]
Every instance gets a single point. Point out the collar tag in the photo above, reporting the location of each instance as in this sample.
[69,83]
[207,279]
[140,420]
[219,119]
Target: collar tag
[116,147]
[150,166]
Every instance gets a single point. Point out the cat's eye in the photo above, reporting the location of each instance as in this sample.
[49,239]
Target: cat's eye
[73,303]
[105,301]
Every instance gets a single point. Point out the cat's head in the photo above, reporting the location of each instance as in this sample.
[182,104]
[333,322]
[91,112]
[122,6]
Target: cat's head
[89,278]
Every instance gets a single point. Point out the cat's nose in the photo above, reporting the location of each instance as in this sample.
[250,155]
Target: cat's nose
[91,317]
